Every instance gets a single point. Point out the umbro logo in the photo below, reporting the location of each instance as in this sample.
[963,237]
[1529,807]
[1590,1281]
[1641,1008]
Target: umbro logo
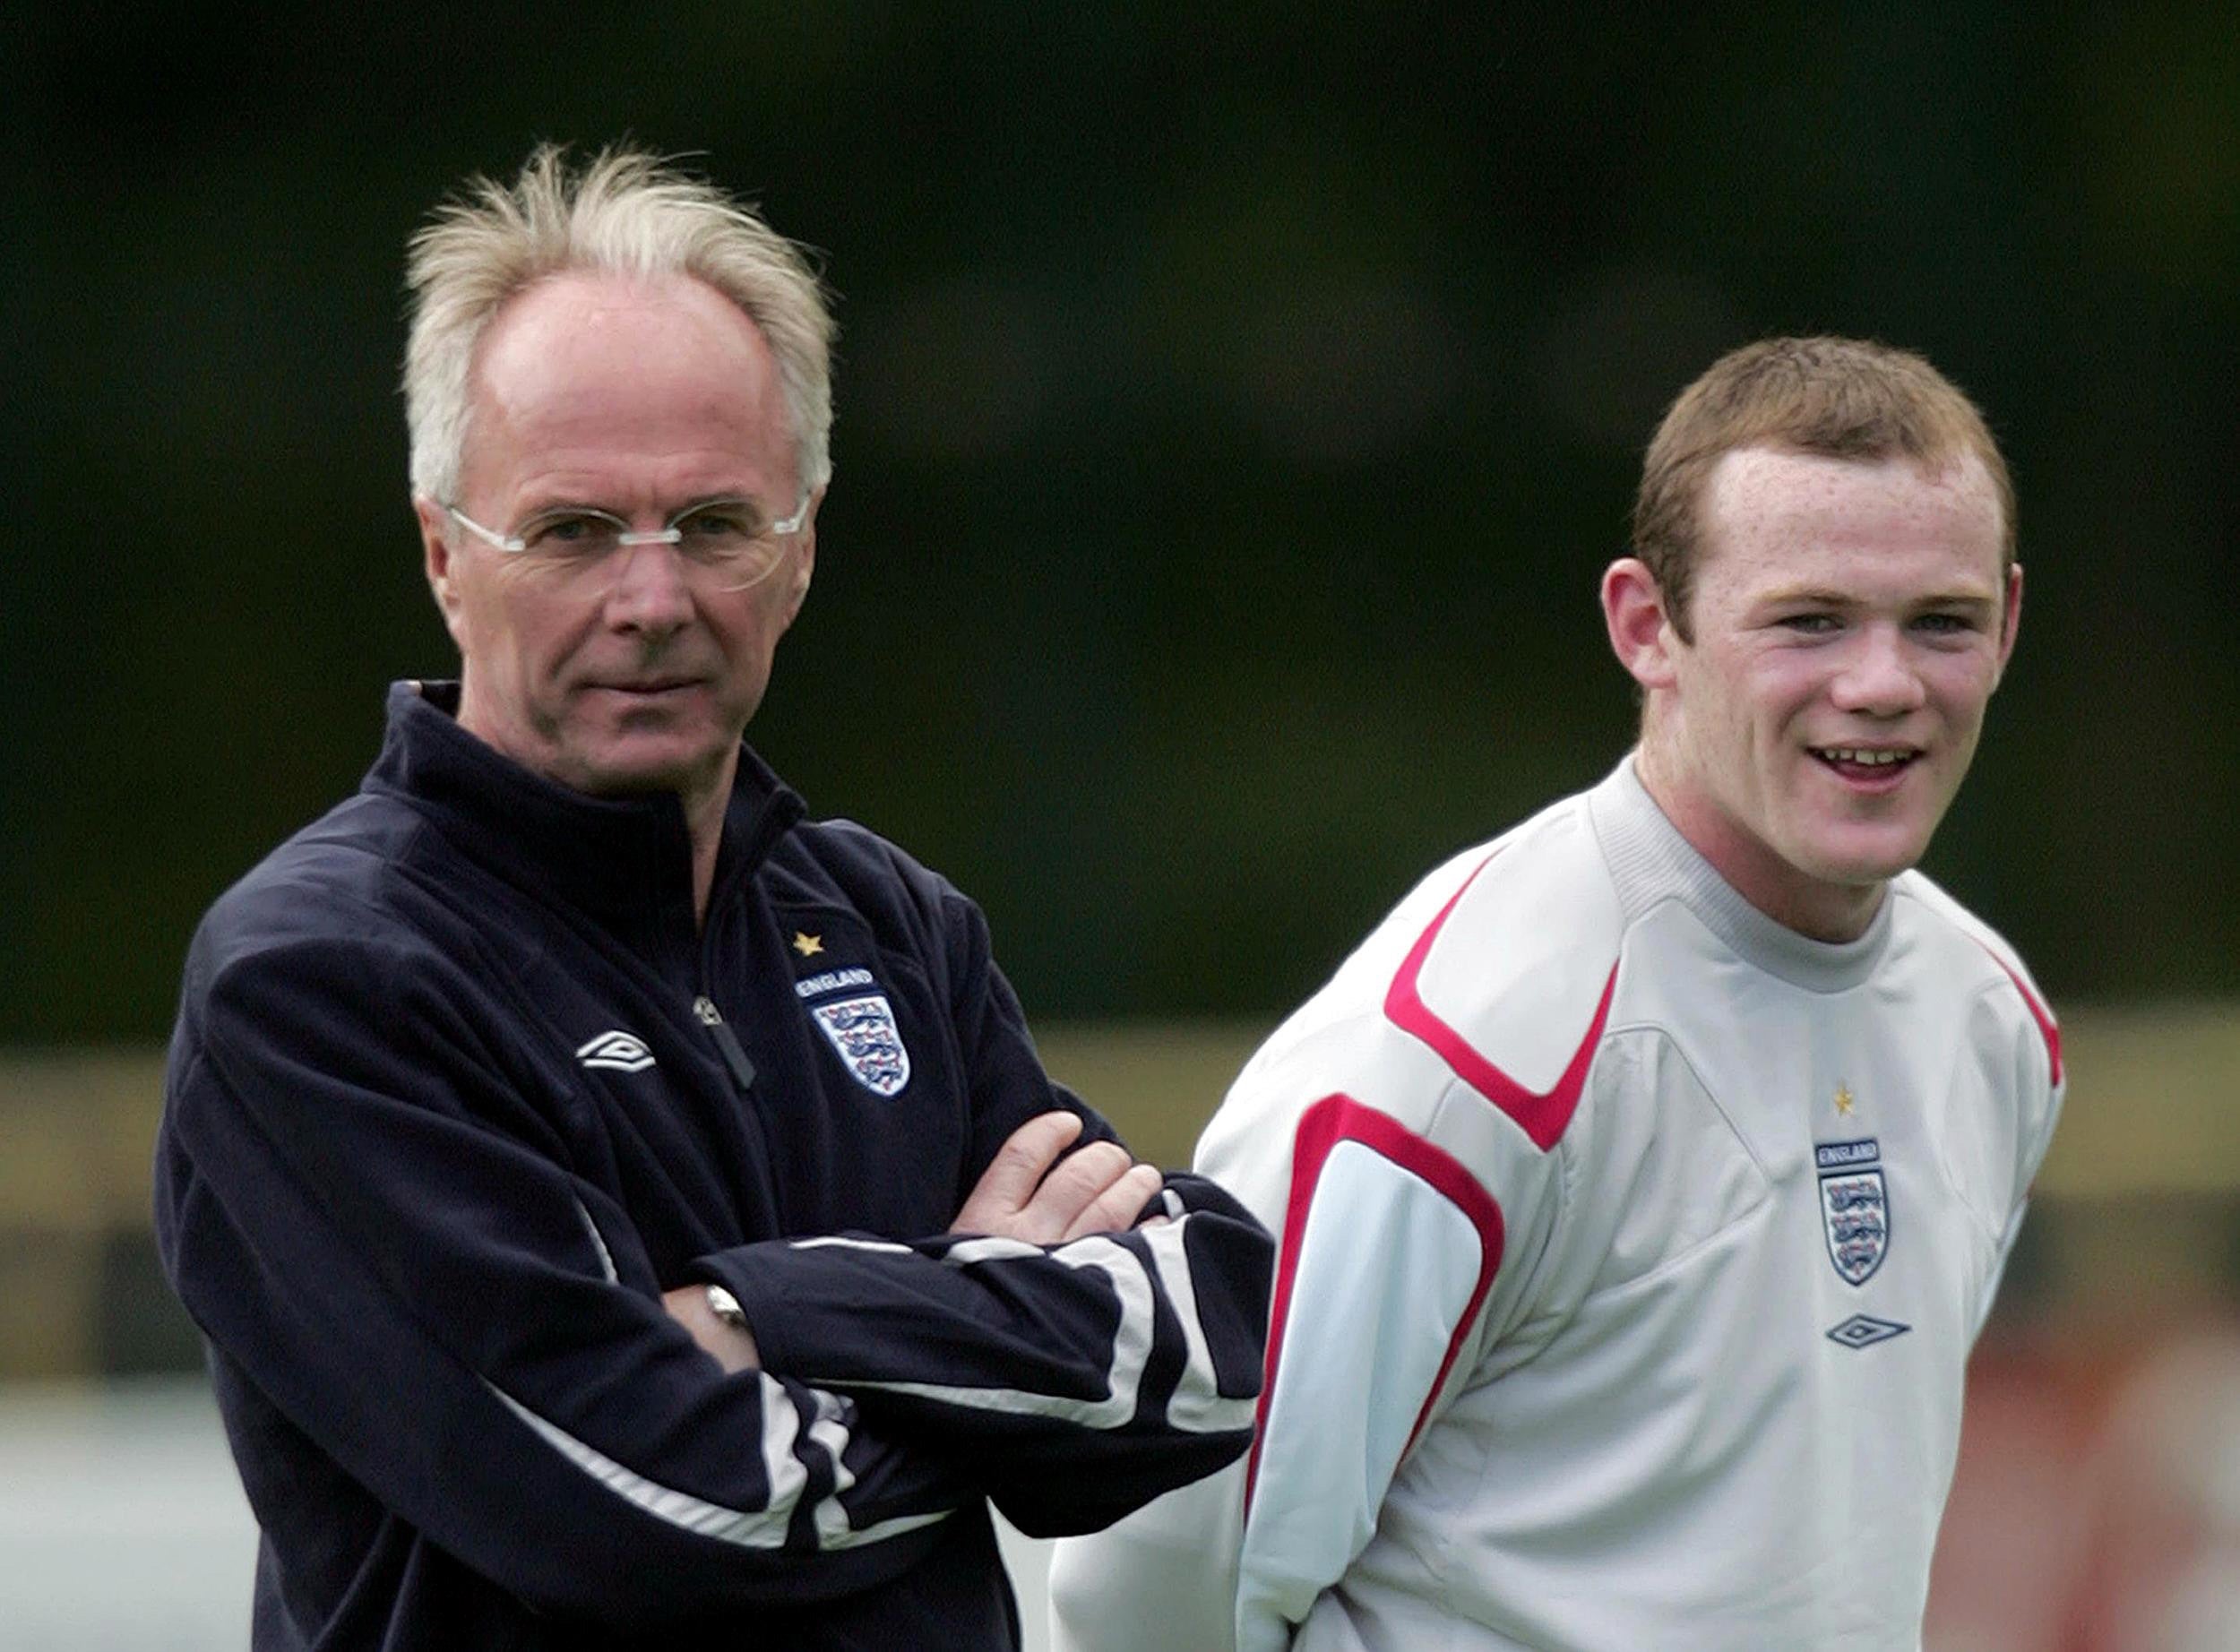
[619,1051]
[1864,1331]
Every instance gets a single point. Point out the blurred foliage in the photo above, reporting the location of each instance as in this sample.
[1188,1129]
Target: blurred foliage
[1237,408]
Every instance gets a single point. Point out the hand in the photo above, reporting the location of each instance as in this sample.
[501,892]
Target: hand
[733,1348]
[1020,1196]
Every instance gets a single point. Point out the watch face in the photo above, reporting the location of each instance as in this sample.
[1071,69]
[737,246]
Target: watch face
[725,1307]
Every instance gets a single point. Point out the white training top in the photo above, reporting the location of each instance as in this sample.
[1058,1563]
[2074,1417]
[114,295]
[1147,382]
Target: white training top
[1631,1248]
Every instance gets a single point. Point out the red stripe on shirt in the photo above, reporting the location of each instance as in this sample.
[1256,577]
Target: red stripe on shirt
[2046,1027]
[1543,1117]
[1340,1118]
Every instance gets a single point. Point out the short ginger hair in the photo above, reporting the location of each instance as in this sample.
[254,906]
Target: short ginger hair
[1831,398]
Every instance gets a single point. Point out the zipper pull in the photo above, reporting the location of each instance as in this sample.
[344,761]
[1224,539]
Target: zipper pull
[734,1057]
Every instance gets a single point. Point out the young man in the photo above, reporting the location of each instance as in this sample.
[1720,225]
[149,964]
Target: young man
[1642,1181]
[620,1211]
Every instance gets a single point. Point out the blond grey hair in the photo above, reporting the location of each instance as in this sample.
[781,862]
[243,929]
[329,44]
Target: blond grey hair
[626,212]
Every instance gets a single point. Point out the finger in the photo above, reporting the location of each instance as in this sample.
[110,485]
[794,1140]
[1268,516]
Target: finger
[1114,1209]
[1079,1179]
[1015,1171]
[1026,1157]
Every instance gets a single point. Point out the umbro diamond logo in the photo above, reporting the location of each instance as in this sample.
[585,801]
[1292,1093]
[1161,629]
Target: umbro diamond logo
[619,1051]
[1864,1331]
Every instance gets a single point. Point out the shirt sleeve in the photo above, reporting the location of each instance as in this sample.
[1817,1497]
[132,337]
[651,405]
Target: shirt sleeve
[1390,1248]
[2043,1084]
[363,1215]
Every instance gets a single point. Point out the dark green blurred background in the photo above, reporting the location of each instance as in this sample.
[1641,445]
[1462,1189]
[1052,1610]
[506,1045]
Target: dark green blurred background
[1237,407]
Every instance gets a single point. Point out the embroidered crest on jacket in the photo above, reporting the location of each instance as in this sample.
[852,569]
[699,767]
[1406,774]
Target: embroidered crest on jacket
[863,1031]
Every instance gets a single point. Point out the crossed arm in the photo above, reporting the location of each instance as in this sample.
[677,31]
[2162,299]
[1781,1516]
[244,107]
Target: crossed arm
[1027,1193]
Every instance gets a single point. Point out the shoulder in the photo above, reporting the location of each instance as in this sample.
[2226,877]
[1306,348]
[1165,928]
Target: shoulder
[1509,981]
[1467,1019]
[335,965]
[348,879]
[838,872]
[843,863]
[1971,956]
[356,931]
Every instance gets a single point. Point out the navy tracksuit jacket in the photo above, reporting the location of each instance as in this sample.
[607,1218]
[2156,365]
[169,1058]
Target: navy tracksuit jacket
[458,1088]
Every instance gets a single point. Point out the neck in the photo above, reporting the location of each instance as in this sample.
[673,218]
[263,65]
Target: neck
[1814,907]
[704,812]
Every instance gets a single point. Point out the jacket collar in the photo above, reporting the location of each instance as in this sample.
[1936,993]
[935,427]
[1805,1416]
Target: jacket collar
[626,858]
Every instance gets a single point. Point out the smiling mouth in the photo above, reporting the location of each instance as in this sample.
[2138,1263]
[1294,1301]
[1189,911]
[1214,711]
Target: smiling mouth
[1866,762]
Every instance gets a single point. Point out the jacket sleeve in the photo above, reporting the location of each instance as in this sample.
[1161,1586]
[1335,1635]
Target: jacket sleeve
[1076,1381]
[361,1213]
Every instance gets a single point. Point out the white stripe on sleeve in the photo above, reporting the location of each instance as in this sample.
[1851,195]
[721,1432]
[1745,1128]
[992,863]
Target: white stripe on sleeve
[1130,1340]
[756,1528]
[605,1258]
[1198,1405]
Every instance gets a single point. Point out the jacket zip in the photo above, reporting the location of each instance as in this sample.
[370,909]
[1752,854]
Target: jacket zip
[777,818]
[734,1057]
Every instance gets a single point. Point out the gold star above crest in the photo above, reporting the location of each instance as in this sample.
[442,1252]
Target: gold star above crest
[808,946]
[1844,1100]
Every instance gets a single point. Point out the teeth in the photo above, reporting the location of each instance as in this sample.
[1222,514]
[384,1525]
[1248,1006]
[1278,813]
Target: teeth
[1859,754]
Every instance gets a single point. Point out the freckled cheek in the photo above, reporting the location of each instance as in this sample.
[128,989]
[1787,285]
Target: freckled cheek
[1775,697]
[1960,688]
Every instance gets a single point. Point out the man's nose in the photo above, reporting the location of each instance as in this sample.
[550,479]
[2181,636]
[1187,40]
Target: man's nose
[648,589]
[1881,677]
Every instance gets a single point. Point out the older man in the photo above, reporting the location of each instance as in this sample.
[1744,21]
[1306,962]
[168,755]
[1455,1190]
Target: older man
[1643,1181]
[620,1211]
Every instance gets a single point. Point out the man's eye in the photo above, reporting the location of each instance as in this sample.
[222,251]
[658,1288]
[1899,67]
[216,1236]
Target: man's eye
[1808,624]
[1945,625]
[721,523]
[573,532]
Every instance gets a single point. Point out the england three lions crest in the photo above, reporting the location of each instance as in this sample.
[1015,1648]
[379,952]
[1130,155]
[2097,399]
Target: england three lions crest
[1854,1206]
[863,1031]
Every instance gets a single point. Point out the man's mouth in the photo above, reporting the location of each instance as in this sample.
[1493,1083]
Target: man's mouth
[657,686]
[1866,762]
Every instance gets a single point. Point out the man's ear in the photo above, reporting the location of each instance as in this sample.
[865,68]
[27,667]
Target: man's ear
[2009,621]
[1641,632]
[436,560]
[804,568]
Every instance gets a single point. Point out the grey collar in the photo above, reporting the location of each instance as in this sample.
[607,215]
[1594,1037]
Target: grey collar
[1651,862]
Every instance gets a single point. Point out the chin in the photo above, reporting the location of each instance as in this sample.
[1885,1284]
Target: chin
[1845,859]
[633,774]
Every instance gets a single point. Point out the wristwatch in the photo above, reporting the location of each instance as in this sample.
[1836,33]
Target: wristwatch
[725,1307]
